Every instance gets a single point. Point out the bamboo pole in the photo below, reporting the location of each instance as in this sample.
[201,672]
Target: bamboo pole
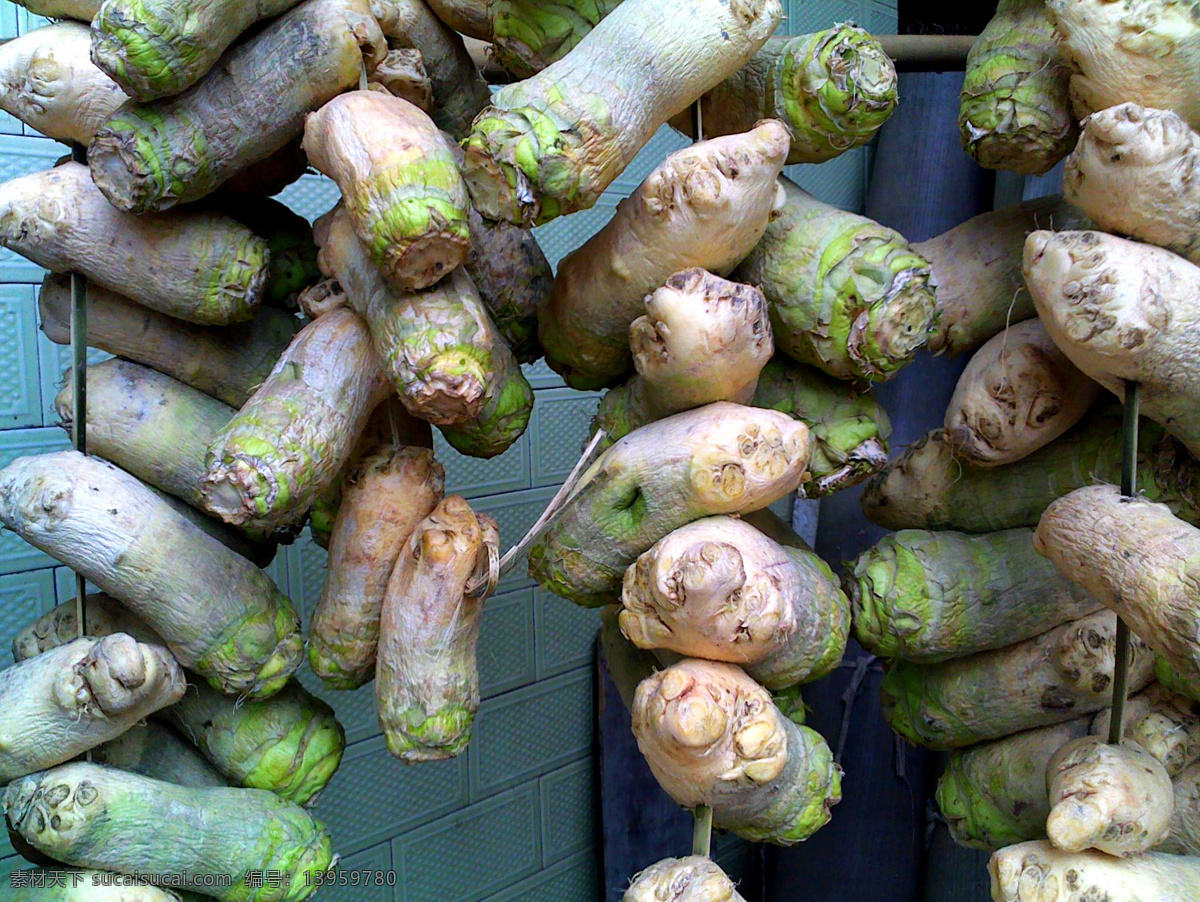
[1116,723]
[79,389]
[910,53]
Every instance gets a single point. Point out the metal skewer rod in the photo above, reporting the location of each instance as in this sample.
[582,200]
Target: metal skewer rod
[1129,434]
[79,390]
[909,52]
[702,832]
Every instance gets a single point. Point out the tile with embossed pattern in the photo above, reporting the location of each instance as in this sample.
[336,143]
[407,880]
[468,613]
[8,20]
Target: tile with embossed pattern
[374,797]
[15,553]
[355,709]
[21,155]
[541,376]
[841,181]
[20,389]
[574,879]
[473,852]
[561,236]
[9,125]
[472,477]
[807,16]
[515,513]
[366,876]
[561,425]
[879,17]
[306,563]
[566,634]
[506,643]
[570,810]
[530,731]
[311,196]
[23,598]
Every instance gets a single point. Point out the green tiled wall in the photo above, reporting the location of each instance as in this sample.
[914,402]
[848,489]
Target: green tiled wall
[515,818]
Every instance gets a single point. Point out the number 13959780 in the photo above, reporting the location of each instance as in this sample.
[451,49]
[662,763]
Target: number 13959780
[342,877]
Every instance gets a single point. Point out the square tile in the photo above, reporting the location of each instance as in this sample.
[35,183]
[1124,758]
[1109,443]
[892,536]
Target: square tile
[474,852]
[566,634]
[570,811]
[24,597]
[16,554]
[374,797]
[562,420]
[575,879]
[531,731]
[472,477]
[506,652]
[20,389]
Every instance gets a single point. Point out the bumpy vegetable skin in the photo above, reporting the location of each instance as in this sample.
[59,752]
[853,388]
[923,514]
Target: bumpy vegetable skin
[1018,394]
[704,206]
[1147,51]
[72,698]
[1114,798]
[152,156]
[720,589]
[227,364]
[1134,557]
[833,89]
[849,431]
[1170,677]
[390,422]
[929,487]
[1133,174]
[929,596]
[290,743]
[1037,870]
[292,265]
[693,879]
[400,184]
[1165,724]
[994,794]
[291,440]
[1122,310]
[148,424]
[152,749]
[551,144]
[847,295]
[1183,835]
[438,347]
[1048,679]
[1014,113]
[627,664]
[48,82]
[712,736]
[427,676]
[719,459]
[459,90]
[104,616]
[977,270]
[193,265]
[702,339]
[389,490]
[156,48]
[92,816]
[220,615]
